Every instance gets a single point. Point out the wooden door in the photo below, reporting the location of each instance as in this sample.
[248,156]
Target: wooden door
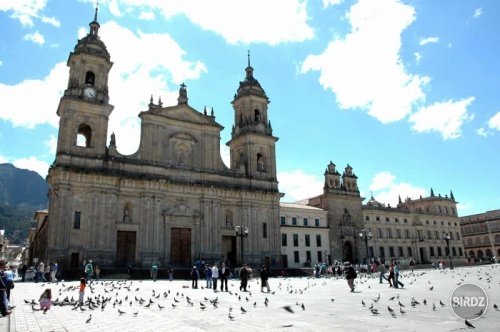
[180,247]
[125,248]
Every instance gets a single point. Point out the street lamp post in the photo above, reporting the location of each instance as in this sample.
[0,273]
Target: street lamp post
[241,232]
[366,234]
[447,238]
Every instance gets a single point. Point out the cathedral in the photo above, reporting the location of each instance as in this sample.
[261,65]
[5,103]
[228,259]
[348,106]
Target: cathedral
[173,201]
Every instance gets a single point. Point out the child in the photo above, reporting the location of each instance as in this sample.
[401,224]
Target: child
[46,300]
[82,290]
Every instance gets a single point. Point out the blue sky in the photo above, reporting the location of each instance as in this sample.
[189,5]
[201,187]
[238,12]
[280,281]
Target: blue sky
[406,92]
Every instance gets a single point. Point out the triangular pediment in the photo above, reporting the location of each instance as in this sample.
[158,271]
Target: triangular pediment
[184,113]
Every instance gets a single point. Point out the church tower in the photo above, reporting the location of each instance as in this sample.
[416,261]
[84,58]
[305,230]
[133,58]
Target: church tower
[84,108]
[252,144]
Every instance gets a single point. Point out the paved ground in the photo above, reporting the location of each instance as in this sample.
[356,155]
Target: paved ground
[328,305]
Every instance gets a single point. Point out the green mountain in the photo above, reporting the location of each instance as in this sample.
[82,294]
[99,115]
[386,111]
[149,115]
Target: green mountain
[22,193]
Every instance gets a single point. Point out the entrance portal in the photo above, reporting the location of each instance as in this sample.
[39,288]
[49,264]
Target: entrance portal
[348,252]
[180,248]
[229,250]
[125,248]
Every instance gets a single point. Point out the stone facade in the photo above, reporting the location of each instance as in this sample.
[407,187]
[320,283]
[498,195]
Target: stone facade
[174,200]
[481,235]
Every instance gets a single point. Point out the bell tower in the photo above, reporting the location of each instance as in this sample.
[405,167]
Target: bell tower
[252,144]
[84,108]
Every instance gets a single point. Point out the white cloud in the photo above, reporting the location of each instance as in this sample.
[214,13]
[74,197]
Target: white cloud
[392,190]
[33,164]
[147,16]
[424,41]
[482,132]
[461,206]
[114,9]
[3,160]
[1,63]
[24,10]
[41,106]
[35,37]
[297,185]
[364,69]
[271,22]
[494,122]
[51,143]
[329,3]
[225,154]
[51,20]
[418,57]
[478,12]
[443,117]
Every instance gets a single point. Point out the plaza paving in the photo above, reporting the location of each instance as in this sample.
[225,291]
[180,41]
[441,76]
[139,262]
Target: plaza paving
[328,305]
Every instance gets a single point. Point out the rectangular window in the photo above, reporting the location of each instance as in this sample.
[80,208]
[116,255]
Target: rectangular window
[318,240]
[429,236]
[407,233]
[458,236]
[76,222]
[401,252]
[386,218]
[382,252]
[316,222]
[264,230]
[306,222]
[308,240]
[283,240]
[377,218]
[437,235]
[410,252]
[320,256]
[367,218]
[396,220]
[389,235]
[308,256]
[398,234]
[454,250]
[294,221]
[440,252]
[460,251]
[391,251]
[432,251]
[283,221]
[405,220]
[296,257]
[295,240]
[379,233]
[451,236]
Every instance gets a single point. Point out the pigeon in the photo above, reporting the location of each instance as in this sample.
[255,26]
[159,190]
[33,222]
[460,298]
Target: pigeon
[174,305]
[363,303]
[160,307]
[243,311]
[431,288]
[495,306]
[401,304]
[469,324]
[303,306]
[375,312]
[231,317]
[402,311]
[390,309]
[441,303]
[135,313]
[288,308]
[88,319]
[121,312]
[434,306]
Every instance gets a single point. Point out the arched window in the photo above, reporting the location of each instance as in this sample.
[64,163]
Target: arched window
[257,115]
[90,78]
[261,163]
[480,253]
[472,254]
[84,136]
[469,242]
[477,241]
[486,240]
[488,253]
[497,238]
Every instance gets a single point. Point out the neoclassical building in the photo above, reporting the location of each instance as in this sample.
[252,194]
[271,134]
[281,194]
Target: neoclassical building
[174,200]
[481,234]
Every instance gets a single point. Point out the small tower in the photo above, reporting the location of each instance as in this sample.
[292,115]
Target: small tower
[332,178]
[252,145]
[84,108]
[183,98]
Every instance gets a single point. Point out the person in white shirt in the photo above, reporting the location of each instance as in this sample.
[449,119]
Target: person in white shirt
[215,276]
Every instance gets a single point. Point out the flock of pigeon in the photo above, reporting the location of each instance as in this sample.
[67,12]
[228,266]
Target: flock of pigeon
[294,302]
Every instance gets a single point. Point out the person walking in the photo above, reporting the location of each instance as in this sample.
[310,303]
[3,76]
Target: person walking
[391,275]
[350,275]
[195,275]
[9,283]
[244,274]
[24,268]
[397,283]
[53,271]
[383,271]
[89,269]
[264,276]
[4,303]
[223,275]
[40,272]
[412,265]
[208,276]
[170,273]
[215,276]
[82,291]
[97,272]
[154,271]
